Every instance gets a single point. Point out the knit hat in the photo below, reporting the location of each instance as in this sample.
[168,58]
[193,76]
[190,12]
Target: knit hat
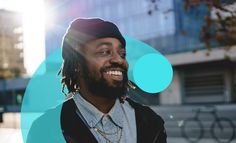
[84,30]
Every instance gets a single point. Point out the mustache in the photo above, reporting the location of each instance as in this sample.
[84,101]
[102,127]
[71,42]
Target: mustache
[115,66]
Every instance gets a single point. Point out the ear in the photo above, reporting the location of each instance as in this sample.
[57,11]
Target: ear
[77,74]
[80,70]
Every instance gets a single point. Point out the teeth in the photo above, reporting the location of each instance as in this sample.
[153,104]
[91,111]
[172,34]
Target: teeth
[114,73]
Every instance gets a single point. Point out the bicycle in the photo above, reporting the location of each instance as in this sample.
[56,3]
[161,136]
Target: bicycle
[222,129]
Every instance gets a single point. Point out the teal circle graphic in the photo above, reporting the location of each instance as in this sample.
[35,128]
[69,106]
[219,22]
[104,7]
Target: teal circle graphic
[148,69]
[153,73]
[42,94]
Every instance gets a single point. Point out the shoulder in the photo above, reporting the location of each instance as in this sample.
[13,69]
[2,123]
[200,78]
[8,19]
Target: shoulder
[150,125]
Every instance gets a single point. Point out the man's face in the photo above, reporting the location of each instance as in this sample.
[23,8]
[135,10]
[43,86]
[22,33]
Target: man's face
[105,67]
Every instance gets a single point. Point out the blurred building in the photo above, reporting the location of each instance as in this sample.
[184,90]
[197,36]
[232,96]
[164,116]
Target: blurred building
[11,44]
[11,93]
[12,83]
[200,76]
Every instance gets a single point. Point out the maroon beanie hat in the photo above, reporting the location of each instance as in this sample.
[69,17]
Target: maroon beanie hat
[83,30]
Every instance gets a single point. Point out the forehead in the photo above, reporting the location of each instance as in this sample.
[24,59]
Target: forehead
[112,42]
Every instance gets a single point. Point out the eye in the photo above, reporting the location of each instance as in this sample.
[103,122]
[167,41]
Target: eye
[123,55]
[104,52]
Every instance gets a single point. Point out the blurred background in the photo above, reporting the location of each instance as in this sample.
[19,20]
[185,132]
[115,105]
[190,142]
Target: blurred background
[198,37]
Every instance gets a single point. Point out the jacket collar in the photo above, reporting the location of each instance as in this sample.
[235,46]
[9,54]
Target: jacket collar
[74,129]
[148,124]
[92,115]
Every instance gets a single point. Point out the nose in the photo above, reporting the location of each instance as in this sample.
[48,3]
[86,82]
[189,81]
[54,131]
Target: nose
[116,58]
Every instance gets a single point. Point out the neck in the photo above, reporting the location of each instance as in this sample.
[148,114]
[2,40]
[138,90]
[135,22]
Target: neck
[103,104]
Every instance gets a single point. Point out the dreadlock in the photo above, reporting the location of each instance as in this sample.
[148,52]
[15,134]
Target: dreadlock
[70,67]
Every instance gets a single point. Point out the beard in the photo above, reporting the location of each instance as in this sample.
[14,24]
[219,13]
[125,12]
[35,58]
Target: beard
[99,85]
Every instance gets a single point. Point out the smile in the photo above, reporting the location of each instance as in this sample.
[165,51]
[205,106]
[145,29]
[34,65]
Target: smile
[115,73]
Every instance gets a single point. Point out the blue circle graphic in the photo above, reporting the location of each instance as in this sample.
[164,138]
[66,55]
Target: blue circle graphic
[153,73]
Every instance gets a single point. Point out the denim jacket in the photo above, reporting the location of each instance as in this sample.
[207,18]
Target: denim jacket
[150,126]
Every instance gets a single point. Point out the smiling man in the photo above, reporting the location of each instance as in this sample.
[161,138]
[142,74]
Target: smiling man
[104,71]
[94,71]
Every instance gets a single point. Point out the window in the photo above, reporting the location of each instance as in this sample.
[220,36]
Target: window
[204,86]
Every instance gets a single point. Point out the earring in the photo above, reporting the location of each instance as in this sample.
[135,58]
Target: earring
[131,85]
[76,87]
[70,81]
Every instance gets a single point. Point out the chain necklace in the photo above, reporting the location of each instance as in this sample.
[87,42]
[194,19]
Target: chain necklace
[104,134]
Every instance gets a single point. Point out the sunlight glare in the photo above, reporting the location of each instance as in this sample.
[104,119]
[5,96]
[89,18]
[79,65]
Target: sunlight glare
[33,12]
[34,33]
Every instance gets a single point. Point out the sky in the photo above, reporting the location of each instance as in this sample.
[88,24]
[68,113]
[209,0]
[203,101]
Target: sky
[33,12]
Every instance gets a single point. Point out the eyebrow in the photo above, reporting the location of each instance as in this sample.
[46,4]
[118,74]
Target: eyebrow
[121,46]
[104,43]
[109,44]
